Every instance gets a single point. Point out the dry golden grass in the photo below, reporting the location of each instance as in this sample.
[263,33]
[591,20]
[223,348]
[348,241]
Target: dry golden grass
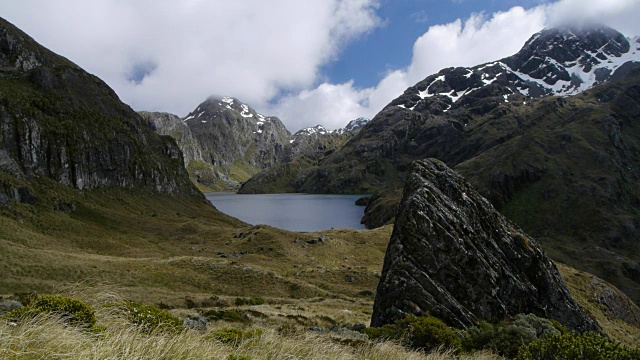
[155,251]
[587,289]
[49,338]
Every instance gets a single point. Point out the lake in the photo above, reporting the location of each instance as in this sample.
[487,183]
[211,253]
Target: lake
[294,212]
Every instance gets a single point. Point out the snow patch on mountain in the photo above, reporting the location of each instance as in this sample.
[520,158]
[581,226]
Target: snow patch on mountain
[561,62]
[353,125]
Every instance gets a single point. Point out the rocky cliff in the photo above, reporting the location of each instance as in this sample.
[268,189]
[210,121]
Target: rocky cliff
[453,256]
[172,125]
[306,151]
[58,121]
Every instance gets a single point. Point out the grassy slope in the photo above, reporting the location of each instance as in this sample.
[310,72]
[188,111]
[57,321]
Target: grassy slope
[160,249]
[156,249]
[46,338]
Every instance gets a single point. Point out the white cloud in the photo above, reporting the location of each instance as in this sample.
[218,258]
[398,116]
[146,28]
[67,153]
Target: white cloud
[256,50]
[250,49]
[478,39]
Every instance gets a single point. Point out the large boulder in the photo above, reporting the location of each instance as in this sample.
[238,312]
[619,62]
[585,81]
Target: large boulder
[453,256]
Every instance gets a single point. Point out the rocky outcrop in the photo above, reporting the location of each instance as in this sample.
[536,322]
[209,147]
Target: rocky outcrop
[60,122]
[453,256]
[172,125]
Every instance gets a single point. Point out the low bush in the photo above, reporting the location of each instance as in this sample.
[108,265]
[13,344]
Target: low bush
[424,332]
[505,338]
[569,346]
[238,357]
[70,310]
[225,315]
[149,317]
[249,301]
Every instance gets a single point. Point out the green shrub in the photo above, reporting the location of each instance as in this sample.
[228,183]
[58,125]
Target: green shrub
[569,346]
[234,336]
[72,311]
[150,318]
[508,336]
[249,301]
[424,332]
[561,328]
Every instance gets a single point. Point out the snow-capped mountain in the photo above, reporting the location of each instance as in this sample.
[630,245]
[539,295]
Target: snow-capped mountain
[217,106]
[315,130]
[558,61]
[235,141]
[318,130]
[353,125]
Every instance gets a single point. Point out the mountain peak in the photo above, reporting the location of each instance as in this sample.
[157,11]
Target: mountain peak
[353,125]
[217,105]
[560,61]
[314,130]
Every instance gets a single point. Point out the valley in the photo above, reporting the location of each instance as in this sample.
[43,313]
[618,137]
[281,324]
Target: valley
[500,192]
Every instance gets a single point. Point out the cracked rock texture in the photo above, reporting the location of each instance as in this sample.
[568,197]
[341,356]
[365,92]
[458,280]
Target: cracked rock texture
[453,256]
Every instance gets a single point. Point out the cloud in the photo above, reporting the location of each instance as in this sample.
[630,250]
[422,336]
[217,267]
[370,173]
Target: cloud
[170,55]
[478,39]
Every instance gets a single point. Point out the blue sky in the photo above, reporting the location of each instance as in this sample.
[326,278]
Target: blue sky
[308,62]
[389,46]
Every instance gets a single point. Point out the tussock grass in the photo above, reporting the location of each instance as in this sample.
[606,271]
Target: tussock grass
[49,338]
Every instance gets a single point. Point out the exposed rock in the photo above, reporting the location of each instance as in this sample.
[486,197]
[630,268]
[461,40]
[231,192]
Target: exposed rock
[8,305]
[452,255]
[195,322]
[60,122]
[172,125]
[615,304]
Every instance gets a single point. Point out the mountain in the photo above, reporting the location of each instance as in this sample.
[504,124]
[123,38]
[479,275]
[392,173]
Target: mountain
[224,141]
[172,125]
[563,166]
[558,61]
[353,125]
[304,153]
[59,122]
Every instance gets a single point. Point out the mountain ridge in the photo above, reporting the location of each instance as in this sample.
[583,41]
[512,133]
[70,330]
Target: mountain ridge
[225,141]
[527,155]
[63,123]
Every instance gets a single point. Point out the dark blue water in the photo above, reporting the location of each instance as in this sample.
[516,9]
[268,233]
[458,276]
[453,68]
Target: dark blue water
[295,212]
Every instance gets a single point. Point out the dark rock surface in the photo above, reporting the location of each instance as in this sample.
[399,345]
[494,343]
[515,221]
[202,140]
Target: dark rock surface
[172,125]
[60,122]
[452,255]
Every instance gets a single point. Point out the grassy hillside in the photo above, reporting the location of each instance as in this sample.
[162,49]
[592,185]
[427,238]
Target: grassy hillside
[185,255]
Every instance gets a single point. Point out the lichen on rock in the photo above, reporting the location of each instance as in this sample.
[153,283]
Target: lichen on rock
[453,256]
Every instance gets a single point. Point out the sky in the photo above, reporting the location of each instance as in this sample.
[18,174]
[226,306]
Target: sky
[308,62]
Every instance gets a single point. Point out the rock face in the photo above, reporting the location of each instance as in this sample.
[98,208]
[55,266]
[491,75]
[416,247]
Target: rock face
[306,150]
[60,122]
[172,125]
[452,255]
[229,132]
